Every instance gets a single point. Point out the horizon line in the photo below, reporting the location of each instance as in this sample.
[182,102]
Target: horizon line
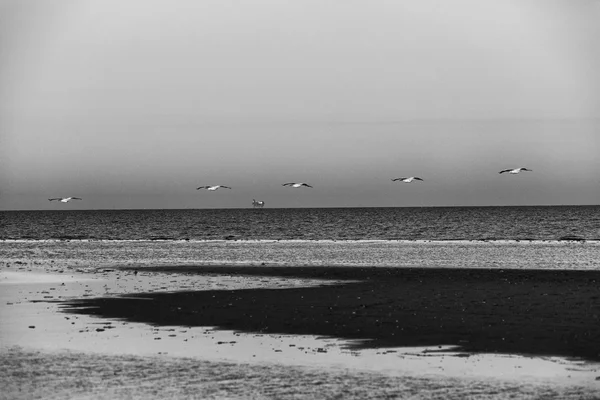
[296,208]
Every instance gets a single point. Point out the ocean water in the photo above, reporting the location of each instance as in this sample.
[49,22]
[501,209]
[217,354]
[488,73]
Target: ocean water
[416,223]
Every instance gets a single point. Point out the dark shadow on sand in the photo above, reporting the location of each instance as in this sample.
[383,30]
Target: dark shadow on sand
[552,313]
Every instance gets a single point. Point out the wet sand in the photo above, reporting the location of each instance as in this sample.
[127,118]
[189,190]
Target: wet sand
[450,333]
[547,313]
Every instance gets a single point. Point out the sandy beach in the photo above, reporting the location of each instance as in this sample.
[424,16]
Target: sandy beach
[115,320]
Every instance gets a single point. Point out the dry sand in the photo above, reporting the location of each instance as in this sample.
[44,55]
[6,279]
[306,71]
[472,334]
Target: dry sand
[80,327]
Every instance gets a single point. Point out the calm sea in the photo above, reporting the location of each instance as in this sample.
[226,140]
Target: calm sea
[428,223]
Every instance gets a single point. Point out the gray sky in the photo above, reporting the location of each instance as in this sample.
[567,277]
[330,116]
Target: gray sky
[133,104]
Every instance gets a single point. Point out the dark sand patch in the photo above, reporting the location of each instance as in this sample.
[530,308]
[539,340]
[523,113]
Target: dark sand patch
[72,375]
[535,312]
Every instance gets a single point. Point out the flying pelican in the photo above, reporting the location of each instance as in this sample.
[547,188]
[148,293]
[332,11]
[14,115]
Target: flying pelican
[514,171]
[408,180]
[211,188]
[296,185]
[65,199]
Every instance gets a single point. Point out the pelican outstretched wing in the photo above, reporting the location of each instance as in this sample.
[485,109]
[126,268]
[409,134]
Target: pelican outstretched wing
[296,184]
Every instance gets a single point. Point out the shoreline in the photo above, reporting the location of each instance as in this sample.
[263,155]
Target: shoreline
[84,255]
[151,313]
